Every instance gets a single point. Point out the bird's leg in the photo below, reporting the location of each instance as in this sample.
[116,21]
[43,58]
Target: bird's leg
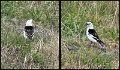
[93,43]
[90,44]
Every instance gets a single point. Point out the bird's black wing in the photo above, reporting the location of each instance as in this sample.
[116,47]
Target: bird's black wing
[29,30]
[94,33]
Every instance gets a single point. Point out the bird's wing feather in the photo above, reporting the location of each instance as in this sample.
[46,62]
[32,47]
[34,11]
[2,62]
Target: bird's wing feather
[93,32]
[95,35]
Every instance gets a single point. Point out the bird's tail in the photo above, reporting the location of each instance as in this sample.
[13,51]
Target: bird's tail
[102,45]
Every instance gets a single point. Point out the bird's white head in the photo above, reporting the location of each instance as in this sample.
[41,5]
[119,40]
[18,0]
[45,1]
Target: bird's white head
[29,23]
[90,25]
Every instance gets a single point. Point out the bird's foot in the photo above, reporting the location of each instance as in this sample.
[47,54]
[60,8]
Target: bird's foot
[91,44]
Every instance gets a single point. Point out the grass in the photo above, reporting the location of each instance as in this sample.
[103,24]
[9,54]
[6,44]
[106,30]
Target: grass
[40,53]
[76,54]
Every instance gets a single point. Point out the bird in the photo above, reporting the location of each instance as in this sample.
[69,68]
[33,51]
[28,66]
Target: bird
[93,36]
[28,30]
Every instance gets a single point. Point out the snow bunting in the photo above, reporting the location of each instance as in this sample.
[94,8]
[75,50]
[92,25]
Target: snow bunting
[93,36]
[28,29]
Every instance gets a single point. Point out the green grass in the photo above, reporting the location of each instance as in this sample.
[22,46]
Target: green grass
[42,52]
[37,57]
[104,16]
[44,12]
[39,53]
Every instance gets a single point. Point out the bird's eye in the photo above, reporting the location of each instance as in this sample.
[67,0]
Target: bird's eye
[87,24]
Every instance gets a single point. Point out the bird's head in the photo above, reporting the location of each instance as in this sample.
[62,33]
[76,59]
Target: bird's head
[89,25]
[29,23]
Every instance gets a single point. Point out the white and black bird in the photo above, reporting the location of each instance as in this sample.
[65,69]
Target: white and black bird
[93,36]
[28,30]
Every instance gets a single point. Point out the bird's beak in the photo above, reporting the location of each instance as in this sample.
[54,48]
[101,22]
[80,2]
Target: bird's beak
[86,23]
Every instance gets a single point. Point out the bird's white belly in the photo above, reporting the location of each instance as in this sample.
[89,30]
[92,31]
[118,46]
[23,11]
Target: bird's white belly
[24,34]
[90,37]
